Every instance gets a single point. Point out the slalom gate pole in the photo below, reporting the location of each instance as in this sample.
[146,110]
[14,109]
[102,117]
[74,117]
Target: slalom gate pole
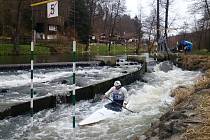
[74,81]
[32,84]
[125,49]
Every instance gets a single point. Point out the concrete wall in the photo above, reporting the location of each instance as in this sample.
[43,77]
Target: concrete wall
[108,60]
[23,108]
[6,67]
[84,93]
[111,60]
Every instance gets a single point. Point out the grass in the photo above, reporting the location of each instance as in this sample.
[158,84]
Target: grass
[201,52]
[103,49]
[8,49]
[94,49]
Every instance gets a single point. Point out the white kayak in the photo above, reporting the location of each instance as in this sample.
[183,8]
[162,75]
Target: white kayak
[98,116]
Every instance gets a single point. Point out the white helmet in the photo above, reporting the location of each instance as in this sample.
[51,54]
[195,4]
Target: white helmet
[117,83]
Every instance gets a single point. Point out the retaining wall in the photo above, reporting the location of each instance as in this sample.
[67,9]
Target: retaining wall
[6,67]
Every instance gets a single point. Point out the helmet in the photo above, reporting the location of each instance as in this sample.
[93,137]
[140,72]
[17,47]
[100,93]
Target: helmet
[117,83]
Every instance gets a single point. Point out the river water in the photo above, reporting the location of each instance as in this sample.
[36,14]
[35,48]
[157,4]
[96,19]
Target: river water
[16,84]
[150,99]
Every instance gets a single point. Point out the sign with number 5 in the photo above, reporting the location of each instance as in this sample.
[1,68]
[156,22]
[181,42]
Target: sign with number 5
[52,9]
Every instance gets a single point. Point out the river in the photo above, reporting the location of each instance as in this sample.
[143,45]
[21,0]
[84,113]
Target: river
[150,99]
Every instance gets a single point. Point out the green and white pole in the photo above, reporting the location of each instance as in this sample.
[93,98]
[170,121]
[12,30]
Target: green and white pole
[74,83]
[89,49]
[125,49]
[97,48]
[114,48]
[32,84]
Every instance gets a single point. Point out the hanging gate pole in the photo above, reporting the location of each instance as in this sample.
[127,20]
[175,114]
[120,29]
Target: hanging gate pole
[32,84]
[74,81]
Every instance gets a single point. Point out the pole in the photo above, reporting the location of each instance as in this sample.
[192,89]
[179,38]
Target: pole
[74,81]
[41,3]
[32,66]
[32,85]
[89,49]
[125,50]
[114,48]
[97,48]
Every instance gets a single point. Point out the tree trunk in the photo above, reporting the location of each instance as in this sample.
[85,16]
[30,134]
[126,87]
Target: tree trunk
[92,11]
[201,35]
[166,28]
[17,27]
[158,20]
[166,19]
[207,7]
[138,45]
[105,22]
[209,39]
[113,26]
[150,32]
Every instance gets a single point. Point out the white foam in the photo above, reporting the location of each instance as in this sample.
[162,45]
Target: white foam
[22,78]
[148,100]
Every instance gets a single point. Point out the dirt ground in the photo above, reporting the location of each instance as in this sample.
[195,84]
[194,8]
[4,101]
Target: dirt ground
[189,118]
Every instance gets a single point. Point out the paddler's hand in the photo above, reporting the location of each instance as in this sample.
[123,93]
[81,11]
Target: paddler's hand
[124,104]
[103,97]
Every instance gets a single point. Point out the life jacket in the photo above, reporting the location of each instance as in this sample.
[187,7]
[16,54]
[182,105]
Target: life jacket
[116,95]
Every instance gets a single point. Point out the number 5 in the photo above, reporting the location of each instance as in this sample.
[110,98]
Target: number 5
[52,9]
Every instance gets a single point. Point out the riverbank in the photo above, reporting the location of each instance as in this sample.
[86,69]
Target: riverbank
[189,116]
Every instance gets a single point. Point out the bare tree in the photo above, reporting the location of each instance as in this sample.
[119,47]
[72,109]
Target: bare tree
[117,8]
[158,20]
[207,6]
[139,32]
[17,26]
[150,27]
[202,7]
[166,19]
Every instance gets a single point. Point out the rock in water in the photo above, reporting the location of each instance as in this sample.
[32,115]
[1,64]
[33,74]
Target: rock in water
[166,66]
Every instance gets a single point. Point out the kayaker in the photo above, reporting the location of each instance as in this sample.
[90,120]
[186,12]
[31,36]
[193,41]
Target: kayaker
[119,96]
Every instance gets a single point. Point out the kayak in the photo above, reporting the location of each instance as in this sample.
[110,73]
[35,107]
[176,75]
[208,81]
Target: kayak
[98,116]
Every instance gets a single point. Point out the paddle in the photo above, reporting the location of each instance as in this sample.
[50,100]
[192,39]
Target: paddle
[119,104]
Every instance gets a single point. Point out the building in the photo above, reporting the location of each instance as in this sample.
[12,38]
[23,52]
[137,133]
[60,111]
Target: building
[50,28]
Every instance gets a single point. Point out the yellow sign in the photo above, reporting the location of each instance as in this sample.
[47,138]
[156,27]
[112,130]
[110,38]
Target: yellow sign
[41,3]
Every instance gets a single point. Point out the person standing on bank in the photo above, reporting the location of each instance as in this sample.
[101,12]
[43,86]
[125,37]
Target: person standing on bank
[185,46]
[119,97]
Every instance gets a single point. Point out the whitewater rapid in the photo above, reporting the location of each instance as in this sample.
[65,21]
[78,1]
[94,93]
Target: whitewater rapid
[150,99]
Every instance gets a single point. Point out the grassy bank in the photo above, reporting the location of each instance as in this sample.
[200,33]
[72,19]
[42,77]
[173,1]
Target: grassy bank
[103,49]
[8,49]
[93,49]
[201,52]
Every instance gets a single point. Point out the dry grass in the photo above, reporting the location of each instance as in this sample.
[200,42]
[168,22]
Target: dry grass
[203,81]
[201,132]
[195,62]
[181,93]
